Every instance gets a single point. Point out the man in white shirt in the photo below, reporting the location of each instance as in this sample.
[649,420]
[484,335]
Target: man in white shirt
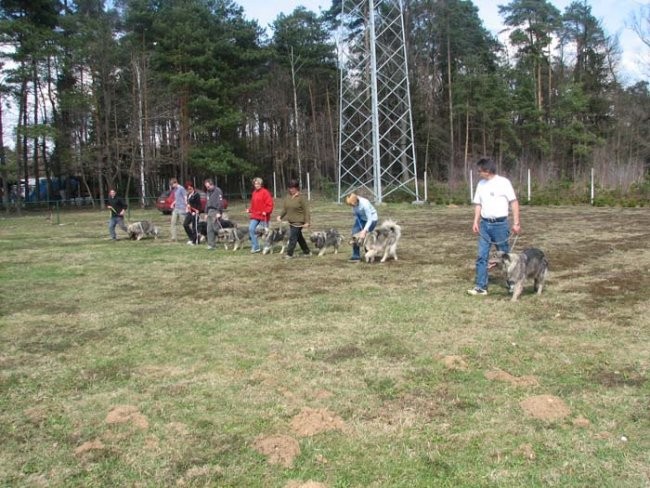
[493,197]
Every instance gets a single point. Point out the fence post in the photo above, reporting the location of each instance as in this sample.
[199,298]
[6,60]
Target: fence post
[308,187]
[471,186]
[426,188]
[592,186]
[275,190]
[58,214]
[528,185]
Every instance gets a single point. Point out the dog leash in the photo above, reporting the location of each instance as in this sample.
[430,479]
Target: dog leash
[511,246]
[291,225]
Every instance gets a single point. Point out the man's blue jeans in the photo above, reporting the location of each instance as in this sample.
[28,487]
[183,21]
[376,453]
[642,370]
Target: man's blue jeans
[496,233]
[358,227]
[116,221]
[252,226]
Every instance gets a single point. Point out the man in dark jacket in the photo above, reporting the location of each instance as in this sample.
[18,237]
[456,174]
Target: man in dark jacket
[117,207]
[214,208]
[190,224]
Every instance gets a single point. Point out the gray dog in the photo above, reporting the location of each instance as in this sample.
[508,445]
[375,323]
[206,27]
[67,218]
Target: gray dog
[380,242]
[531,263]
[235,236]
[274,237]
[323,239]
[144,228]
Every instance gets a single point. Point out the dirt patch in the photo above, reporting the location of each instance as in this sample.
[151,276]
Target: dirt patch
[455,363]
[305,484]
[622,377]
[123,414]
[207,472]
[406,411]
[311,421]
[178,429]
[499,375]
[343,353]
[278,449]
[36,415]
[526,451]
[545,407]
[581,422]
[89,446]
[322,394]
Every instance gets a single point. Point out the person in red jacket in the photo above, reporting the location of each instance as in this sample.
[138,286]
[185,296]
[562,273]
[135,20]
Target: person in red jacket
[259,211]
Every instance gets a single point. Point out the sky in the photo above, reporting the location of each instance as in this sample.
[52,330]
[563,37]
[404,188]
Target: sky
[613,14]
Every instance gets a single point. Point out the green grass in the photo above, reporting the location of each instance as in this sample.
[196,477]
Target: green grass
[215,350]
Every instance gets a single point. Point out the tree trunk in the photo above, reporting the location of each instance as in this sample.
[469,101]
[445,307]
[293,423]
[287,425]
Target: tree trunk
[37,173]
[3,162]
[450,95]
[184,135]
[295,115]
[466,156]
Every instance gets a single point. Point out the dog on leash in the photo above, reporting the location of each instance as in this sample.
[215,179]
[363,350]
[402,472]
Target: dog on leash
[531,263]
[144,228]
[326,238]
[380,242]
[202,226]
[234,236]
[274,237]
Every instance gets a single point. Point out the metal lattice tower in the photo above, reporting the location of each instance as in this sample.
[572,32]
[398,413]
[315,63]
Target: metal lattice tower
[376,148]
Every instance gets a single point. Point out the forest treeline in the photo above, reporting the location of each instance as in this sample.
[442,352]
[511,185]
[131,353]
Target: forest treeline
[128,93]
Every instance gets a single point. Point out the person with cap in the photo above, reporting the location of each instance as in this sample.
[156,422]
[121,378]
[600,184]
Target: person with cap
[365,220]
[259,211]
[296,210]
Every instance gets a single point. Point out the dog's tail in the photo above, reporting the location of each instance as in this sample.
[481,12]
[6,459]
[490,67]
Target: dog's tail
[391,225]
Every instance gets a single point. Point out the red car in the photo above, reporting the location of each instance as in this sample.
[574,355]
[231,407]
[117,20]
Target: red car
[165,202]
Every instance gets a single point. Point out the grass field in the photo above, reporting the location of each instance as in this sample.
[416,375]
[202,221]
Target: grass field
[159,364]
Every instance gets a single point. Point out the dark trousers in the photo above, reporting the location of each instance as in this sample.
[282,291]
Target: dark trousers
[295,236]
[189,224]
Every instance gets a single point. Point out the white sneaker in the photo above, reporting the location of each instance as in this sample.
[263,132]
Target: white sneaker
[477,291]
[190,243]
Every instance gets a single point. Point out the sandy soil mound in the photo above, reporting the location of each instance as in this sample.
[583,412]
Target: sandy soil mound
[306,484]
[278,449]
[86,447]
[123,414]
[545,407]
[499,375]
[311,421]
[454,363]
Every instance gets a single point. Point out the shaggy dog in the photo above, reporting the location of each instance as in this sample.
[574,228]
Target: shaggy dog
[274,237]
[531,263]
[234,236]
[324,239]
[381,241]
[144,228]
[202,226]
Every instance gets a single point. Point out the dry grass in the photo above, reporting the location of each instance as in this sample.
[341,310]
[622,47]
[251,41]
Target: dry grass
[158,364]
